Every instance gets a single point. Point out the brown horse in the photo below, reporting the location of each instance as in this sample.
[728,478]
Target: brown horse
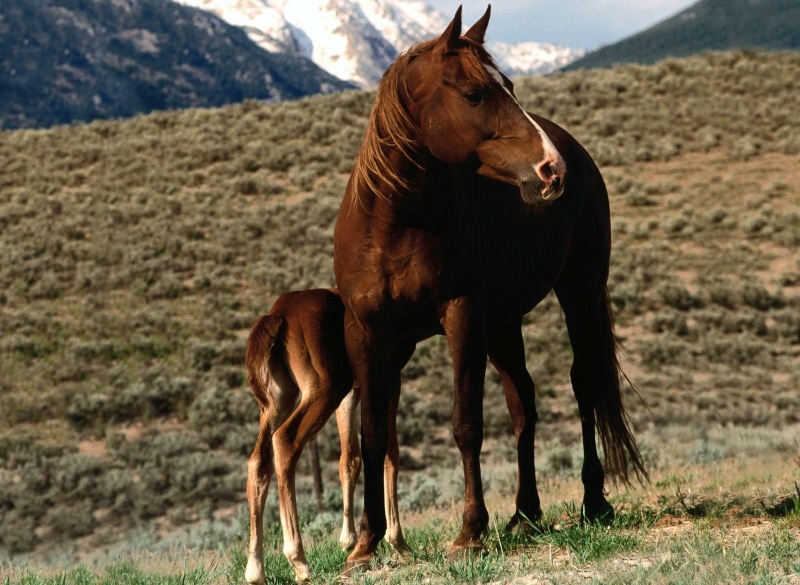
[299,374]
[462,213]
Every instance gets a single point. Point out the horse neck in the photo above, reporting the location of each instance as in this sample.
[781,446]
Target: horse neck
[428,191]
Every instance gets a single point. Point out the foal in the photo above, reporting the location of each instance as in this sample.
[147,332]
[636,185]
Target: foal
[299,373]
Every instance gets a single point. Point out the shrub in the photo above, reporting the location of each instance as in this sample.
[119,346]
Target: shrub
[676,295]
[755,295]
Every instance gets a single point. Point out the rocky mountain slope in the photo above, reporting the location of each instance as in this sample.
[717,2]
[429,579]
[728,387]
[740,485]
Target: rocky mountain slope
[357,40]
[709,25]
[72,60]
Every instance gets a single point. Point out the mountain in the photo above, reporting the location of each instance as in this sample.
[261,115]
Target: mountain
[68,60]
[708,25]
[357,40]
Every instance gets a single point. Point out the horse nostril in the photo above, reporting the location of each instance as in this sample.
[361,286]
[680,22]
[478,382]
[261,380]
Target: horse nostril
[554,170]
[546,172]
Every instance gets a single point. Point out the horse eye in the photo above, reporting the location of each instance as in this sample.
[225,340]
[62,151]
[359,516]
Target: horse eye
[474,96]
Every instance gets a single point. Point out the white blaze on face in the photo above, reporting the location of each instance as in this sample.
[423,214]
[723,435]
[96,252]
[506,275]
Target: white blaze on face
[547,144]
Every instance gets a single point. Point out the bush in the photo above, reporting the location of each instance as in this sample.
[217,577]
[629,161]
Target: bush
[755,295]
[676,295]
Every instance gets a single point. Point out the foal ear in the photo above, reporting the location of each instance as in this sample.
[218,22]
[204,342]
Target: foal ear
[478,31]
[452,33]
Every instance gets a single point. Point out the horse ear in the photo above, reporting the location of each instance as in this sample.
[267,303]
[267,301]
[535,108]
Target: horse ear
[452,33]
[478,31]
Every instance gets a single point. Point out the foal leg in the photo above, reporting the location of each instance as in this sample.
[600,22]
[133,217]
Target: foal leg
[464,324]
[394,532]
[288,441]
[259,473]
[349,465]
[507,353]
[261,467]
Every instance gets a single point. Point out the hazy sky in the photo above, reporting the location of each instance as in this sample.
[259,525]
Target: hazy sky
[574,23]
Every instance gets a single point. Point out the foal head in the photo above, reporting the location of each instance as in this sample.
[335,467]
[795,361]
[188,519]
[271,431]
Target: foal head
[447,95]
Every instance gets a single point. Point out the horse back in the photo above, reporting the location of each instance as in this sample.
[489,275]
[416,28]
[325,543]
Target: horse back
[312,343]
[299,346]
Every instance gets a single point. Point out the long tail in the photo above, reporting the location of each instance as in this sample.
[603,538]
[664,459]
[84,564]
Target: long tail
[265,334]
[621,452]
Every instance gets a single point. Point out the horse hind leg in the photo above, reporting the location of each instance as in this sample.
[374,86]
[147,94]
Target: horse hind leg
[584,377]
[595,381]
[349,465]
[507,354]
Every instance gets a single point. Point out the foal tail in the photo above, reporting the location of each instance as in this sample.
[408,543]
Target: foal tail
[621,452]
[263,337]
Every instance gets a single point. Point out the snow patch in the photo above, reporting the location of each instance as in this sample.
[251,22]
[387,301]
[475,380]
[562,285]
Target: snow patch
[357,40]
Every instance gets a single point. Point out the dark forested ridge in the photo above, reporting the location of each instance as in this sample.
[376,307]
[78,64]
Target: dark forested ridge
[79,60]
[709,25]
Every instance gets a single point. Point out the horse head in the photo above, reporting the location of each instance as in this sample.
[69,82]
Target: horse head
[464,109]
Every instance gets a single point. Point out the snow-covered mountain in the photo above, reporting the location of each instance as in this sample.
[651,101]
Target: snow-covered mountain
[356,40]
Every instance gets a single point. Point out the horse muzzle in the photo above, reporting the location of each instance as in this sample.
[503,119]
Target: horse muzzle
[537,193]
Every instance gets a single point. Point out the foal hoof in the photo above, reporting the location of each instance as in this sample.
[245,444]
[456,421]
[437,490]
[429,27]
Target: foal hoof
[347,541]
[469,549]
[302,574]
[597,510]
[525,523]
[254,572]
[401,547]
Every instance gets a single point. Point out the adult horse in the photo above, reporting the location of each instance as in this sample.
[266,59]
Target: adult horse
[463,211]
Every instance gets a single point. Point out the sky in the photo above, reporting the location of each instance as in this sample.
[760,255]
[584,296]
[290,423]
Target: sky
[585,24]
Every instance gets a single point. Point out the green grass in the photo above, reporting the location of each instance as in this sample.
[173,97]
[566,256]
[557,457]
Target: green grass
[632,550]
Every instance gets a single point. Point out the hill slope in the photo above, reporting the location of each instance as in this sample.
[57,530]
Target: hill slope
[67,60]
[358,39]
[135,255]
[708,25]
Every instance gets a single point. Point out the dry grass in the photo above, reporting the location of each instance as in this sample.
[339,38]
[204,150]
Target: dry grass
[135,255]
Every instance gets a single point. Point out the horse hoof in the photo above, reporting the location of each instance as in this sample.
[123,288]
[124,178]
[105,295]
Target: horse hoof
[471,549]
[527,523]
[597,510]
[357,565]
[254,572]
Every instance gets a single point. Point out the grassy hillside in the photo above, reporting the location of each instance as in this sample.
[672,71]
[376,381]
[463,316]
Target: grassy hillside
[135,255]
[80,60]
[709,25]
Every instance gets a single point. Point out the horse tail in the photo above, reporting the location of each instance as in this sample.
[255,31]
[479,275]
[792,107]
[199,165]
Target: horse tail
[621,452]
[263,338]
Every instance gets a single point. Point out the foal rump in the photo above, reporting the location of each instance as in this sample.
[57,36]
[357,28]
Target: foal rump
[265,335]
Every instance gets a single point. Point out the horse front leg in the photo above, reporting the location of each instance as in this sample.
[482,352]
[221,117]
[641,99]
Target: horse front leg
[464,325]
[371,360]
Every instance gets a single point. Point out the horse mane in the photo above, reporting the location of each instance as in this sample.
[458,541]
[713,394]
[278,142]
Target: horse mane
[390,125]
